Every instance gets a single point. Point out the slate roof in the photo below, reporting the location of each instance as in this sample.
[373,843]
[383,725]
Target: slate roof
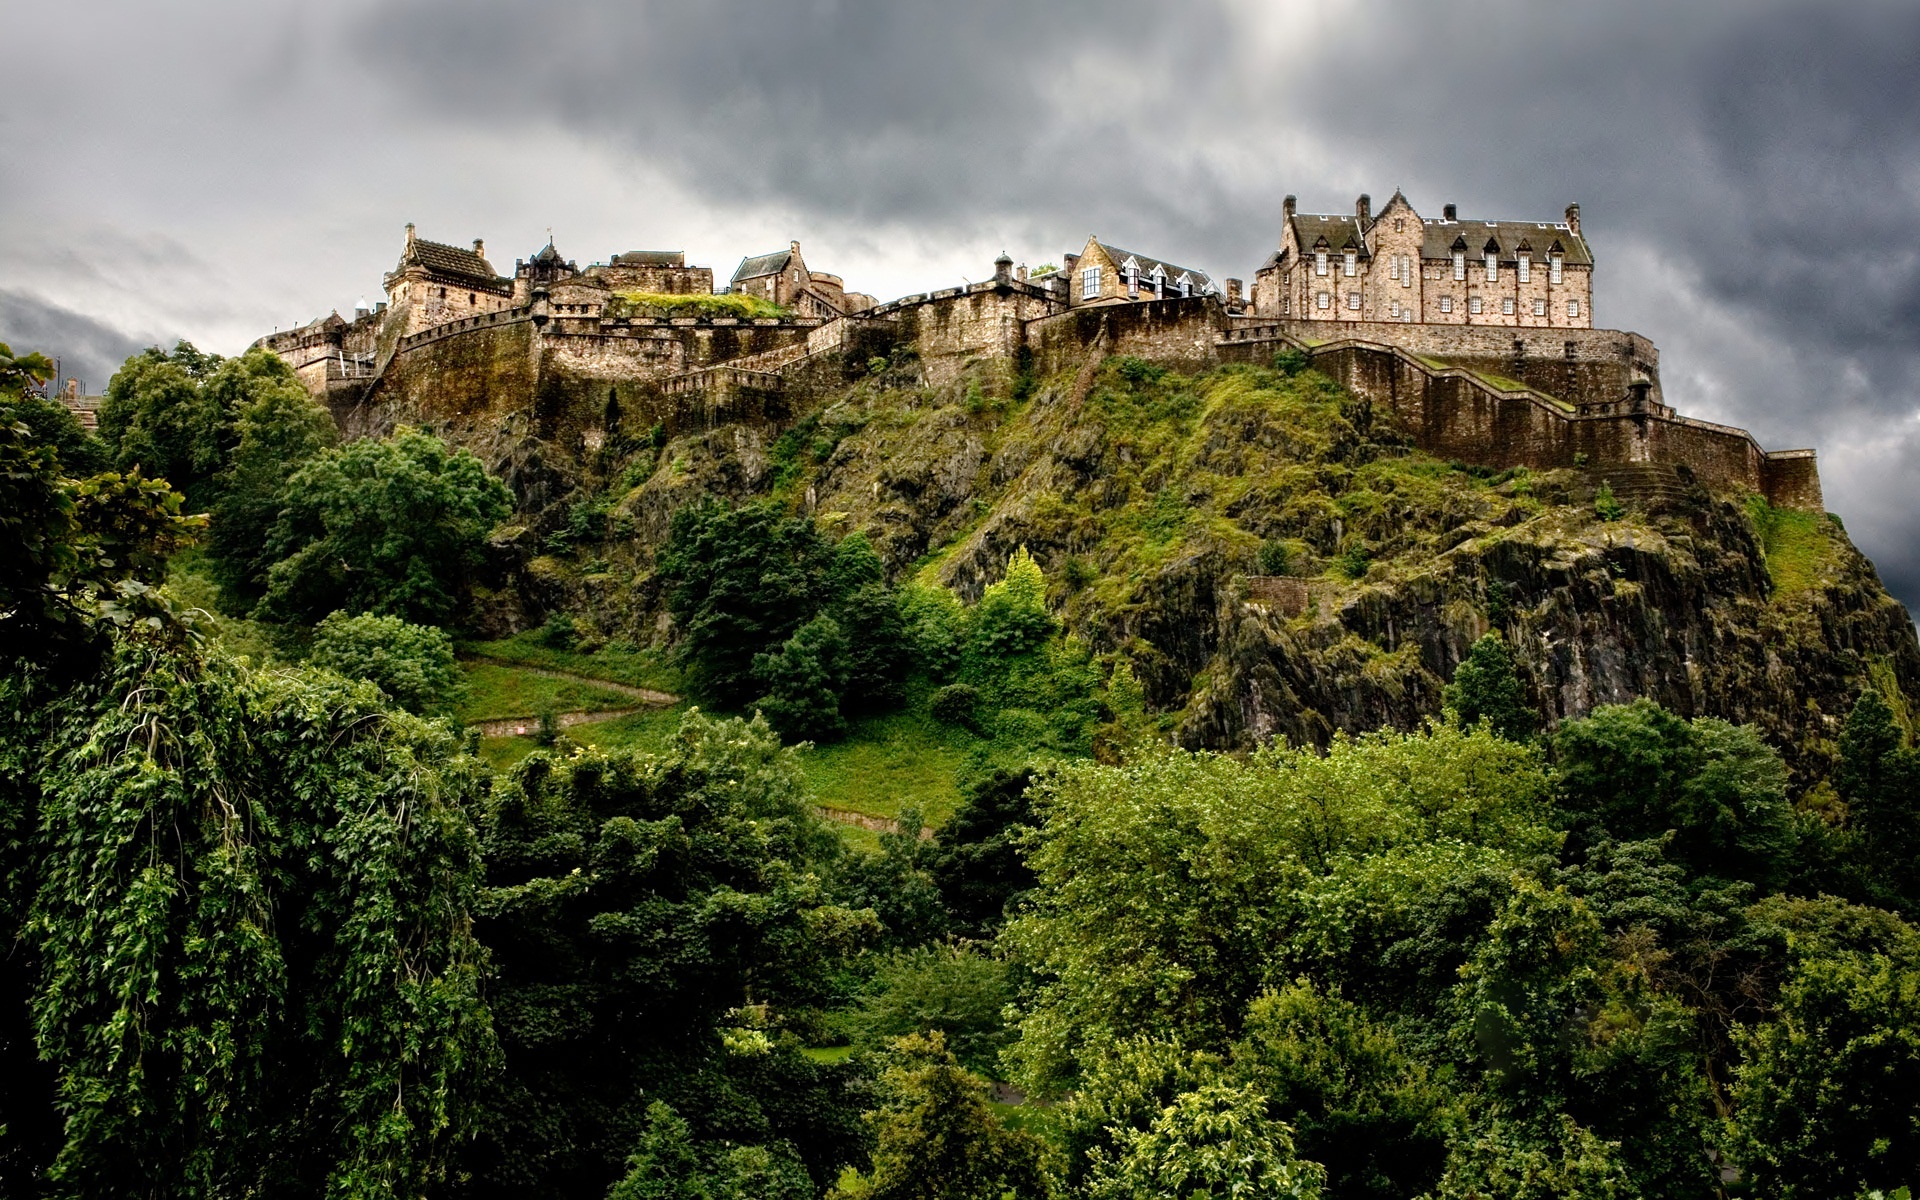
[1201,280]
[1438,239]
[1439,235]
[450,261]
[651,258]
[762,264]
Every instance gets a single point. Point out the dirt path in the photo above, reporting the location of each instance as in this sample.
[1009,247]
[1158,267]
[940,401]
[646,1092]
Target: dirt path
[863,821]
[528,726]
[647,697]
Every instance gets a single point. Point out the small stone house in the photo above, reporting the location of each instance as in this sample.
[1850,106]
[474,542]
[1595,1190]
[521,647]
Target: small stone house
[1107,273]
[435,283]
[1400,266]
[784,278]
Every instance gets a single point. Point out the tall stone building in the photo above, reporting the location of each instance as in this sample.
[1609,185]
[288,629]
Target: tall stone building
[435,283]
[1102,272]
[1400,266]
[784,278]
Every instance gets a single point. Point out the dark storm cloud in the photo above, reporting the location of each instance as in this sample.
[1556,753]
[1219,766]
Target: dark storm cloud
[88,350]
[931,112]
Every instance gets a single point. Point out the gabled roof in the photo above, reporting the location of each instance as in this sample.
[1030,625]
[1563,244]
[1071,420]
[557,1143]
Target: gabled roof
[449,261]
[1342,232]
[1439,236]
[762,264]
[1202,281]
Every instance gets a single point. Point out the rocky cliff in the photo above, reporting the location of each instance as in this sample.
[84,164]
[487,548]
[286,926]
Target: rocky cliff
[1272,556]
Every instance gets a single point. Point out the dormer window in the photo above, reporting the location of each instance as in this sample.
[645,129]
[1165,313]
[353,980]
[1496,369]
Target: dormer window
[1089,283]
[1319,262]
[1352,265]
[1159,281]
[1459,264]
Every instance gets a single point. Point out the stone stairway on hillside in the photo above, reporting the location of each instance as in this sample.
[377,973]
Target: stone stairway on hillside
[1652,487]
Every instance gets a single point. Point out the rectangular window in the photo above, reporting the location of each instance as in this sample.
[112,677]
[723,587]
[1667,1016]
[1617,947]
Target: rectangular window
[1090,283]
[1353,300]
[1553,269]
[1319,262]
[1573,308]
[1526,268]
[1352,263]
[1393,310]
[1286,305]
[1460,264]
[1473,304]
[1506,305]
[1393,267]
[1539,308]
[1406,314]
[1406,270]
[1446,304]
[1322,300]
[1493,268]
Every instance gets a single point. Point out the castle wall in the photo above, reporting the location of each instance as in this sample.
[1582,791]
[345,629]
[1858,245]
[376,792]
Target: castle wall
[1181,331]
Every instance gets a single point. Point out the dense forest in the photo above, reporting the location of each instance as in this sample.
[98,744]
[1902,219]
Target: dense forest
[285,916]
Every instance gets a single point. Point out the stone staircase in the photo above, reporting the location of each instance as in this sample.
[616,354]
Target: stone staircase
[1651,487]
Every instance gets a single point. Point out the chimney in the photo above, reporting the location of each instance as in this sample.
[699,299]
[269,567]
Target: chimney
[1363,208]
[1573,217]
[1020,273]
[409,233]
[1449,213]
[479,247]
[1287,206]
[1233,294]
[795,246]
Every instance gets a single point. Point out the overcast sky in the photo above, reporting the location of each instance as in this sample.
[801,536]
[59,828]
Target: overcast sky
[1748,172]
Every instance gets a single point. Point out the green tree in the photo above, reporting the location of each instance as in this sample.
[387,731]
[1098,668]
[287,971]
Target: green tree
[1486,687]
[1636,771]
[242,901]
[1217,1141]
[277,429]
[670,1165]
[1879,778]
[412,664]
[955,990]
[1825,1103]
[160,417]
[1359,1102]
[649,919]
[394,527]
[976,860]
[938,1138]
[1550,1157]
[805,679]
[1012,616]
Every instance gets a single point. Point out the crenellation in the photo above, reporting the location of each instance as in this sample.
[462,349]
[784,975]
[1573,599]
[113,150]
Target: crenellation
[1526,384]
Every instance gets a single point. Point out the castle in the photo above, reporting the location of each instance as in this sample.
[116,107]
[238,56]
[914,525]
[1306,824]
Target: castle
[1476,335]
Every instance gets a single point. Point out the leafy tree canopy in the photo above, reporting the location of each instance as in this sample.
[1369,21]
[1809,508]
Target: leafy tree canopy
[1486,687]
[394,527]
[412,664]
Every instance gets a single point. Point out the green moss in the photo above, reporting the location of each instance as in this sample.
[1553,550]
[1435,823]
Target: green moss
[1797,545]
[633,304]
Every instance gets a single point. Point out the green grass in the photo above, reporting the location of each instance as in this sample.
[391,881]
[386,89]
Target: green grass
[496,690]
[614,661]
[649,731]
[887,764]
[1796,545]
[697,304]
[828,1054]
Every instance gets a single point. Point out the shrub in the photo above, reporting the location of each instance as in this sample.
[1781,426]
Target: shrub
[1354,560]
[412,664]
[957,704]
[559,632]
[1606,507]
[1291,361]
[1275,557]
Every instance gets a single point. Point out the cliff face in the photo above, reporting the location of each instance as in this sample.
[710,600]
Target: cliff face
[1270,554]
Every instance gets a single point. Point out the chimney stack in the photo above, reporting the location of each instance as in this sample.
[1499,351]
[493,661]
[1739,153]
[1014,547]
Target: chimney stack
[409,234]
[479,247]
[1573,217]
[1287,206]
[1363,208]
[1450,213]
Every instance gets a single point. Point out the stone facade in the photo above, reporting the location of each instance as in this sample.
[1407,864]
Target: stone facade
[1400,267]
[784,278]
[557,344]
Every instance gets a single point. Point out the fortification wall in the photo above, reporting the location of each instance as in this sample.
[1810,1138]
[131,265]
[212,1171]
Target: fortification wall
[957,330]
[484,372]
[1581,366]
[1182,332]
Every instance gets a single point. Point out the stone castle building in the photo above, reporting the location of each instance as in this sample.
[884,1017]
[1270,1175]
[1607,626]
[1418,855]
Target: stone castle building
[1399,266]
[1477,336]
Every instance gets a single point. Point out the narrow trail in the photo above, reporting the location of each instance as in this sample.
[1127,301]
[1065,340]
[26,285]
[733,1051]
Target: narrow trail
[648,697]
[863,821]
[529,725]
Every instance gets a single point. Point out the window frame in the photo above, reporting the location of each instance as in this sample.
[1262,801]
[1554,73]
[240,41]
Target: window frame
[1556,268]
[1320,262]
[1475,306]
[1323,300]
[1446,304]
[1460,264]
[1350,263]
[1353,301]
[1493,266]
[1573,310]
[1090,275]
[1524,265]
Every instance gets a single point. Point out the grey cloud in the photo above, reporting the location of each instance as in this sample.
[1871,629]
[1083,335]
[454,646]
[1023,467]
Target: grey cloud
[87,349]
